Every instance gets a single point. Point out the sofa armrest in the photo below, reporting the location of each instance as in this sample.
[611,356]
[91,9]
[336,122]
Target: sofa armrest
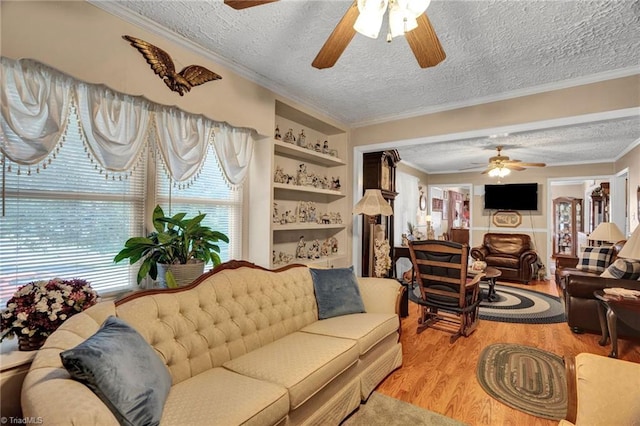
[479,253]
[583,286]
[381,295]
[49,393]
[602,390]
[528,257]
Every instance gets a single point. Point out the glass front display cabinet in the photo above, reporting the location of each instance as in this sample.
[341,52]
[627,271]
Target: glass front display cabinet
[567,223]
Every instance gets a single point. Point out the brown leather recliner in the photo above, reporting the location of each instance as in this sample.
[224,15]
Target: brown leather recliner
[581,305]
[562,272]
[512,254]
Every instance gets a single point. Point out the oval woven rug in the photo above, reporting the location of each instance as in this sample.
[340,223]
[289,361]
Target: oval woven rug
[519,305]
[525,378]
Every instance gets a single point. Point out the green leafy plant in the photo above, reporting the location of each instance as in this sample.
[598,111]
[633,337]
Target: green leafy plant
[176,240]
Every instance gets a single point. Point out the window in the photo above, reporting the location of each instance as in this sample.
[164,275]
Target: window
[68,221]
[209,194]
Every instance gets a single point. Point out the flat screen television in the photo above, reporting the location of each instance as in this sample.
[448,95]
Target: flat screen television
[512,196]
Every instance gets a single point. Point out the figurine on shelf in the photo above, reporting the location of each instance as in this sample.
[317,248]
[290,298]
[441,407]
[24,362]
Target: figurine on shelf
[288,137]
[279,176]
[277,135]
[325,147]
[333,243]
[335,183]
[314,250]
[301,139]
[300,252]
[275,217]
[318,147]
[302,176]
[325,250]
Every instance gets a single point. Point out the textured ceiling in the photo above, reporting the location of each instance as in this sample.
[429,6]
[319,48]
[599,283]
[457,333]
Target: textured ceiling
[495,49]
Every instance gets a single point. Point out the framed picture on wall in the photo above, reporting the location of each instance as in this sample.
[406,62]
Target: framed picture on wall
[436,204]
[507,219]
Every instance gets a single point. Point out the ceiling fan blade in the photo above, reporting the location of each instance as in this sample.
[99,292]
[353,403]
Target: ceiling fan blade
[532,164]
[425,44]
[514,167]
[338,40]
[243,4]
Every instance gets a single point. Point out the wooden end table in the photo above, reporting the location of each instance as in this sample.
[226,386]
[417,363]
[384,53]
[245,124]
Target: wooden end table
[611,309]
[490,276]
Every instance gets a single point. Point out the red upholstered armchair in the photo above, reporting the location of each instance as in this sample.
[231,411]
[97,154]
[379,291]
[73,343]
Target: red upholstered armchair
[512,254]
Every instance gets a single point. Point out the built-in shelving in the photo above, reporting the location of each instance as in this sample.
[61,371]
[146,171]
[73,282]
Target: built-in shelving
[289,198]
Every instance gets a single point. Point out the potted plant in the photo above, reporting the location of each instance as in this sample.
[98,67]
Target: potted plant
[38,308]
[176,244]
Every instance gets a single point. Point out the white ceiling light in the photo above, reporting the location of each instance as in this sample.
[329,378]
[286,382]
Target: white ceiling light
[370,18]
[402,16]
[499,172]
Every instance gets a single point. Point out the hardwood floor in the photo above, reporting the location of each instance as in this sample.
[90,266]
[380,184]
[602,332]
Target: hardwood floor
[441,377]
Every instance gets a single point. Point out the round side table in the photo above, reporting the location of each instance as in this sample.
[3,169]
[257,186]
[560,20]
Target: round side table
[490,276]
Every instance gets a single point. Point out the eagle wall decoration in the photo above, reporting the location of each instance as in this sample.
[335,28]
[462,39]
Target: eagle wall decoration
[162,64]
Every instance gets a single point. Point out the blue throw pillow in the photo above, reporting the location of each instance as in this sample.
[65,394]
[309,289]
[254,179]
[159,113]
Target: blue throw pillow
[337,292]
[123,370]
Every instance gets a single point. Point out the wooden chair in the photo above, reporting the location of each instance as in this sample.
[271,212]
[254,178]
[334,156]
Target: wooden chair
[447,301]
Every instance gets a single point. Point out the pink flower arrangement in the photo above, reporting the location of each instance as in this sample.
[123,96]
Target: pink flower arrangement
[40,307]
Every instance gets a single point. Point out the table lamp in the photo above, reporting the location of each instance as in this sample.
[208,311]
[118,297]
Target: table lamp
[372,204]
[606,232]
[631,249]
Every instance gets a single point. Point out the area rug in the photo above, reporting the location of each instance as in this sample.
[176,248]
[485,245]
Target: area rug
[525,378]
[382,410]
[518,305]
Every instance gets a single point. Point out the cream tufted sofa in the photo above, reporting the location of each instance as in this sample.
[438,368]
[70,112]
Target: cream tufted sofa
[243,345]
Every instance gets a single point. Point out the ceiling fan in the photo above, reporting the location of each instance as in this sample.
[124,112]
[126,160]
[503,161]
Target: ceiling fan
[501,165]
[406,17]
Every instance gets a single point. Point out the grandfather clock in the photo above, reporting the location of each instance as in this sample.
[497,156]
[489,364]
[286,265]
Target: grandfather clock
[379,172]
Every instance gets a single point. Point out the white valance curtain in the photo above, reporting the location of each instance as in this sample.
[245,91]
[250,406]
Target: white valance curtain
[36,101]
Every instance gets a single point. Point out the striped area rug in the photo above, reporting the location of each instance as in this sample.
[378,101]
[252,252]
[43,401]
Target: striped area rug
[525,378]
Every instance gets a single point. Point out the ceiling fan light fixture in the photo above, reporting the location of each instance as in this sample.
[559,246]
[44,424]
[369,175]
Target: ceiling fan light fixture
[400,21]
[369,20]
[499,172]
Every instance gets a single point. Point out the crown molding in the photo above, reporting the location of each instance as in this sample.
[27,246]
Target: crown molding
[147,24]
[549,87]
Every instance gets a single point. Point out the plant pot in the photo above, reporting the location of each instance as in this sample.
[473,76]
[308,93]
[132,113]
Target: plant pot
[184,274]
[31,343]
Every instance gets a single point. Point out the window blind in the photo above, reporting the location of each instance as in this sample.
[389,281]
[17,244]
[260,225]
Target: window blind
[209,194]
[68,221]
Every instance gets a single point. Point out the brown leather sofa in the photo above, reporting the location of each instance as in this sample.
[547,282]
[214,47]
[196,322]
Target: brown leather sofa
[581,306]
[562,272]
[512,254]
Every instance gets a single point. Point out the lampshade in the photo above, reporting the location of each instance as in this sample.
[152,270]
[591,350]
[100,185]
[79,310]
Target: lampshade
[606,231]
[402,16]
[499,172]
[369,20]
[428,218]
[373,204]
[631,249]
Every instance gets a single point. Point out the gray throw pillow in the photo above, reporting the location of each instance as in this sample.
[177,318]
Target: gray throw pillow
[337,292]
[123,370]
